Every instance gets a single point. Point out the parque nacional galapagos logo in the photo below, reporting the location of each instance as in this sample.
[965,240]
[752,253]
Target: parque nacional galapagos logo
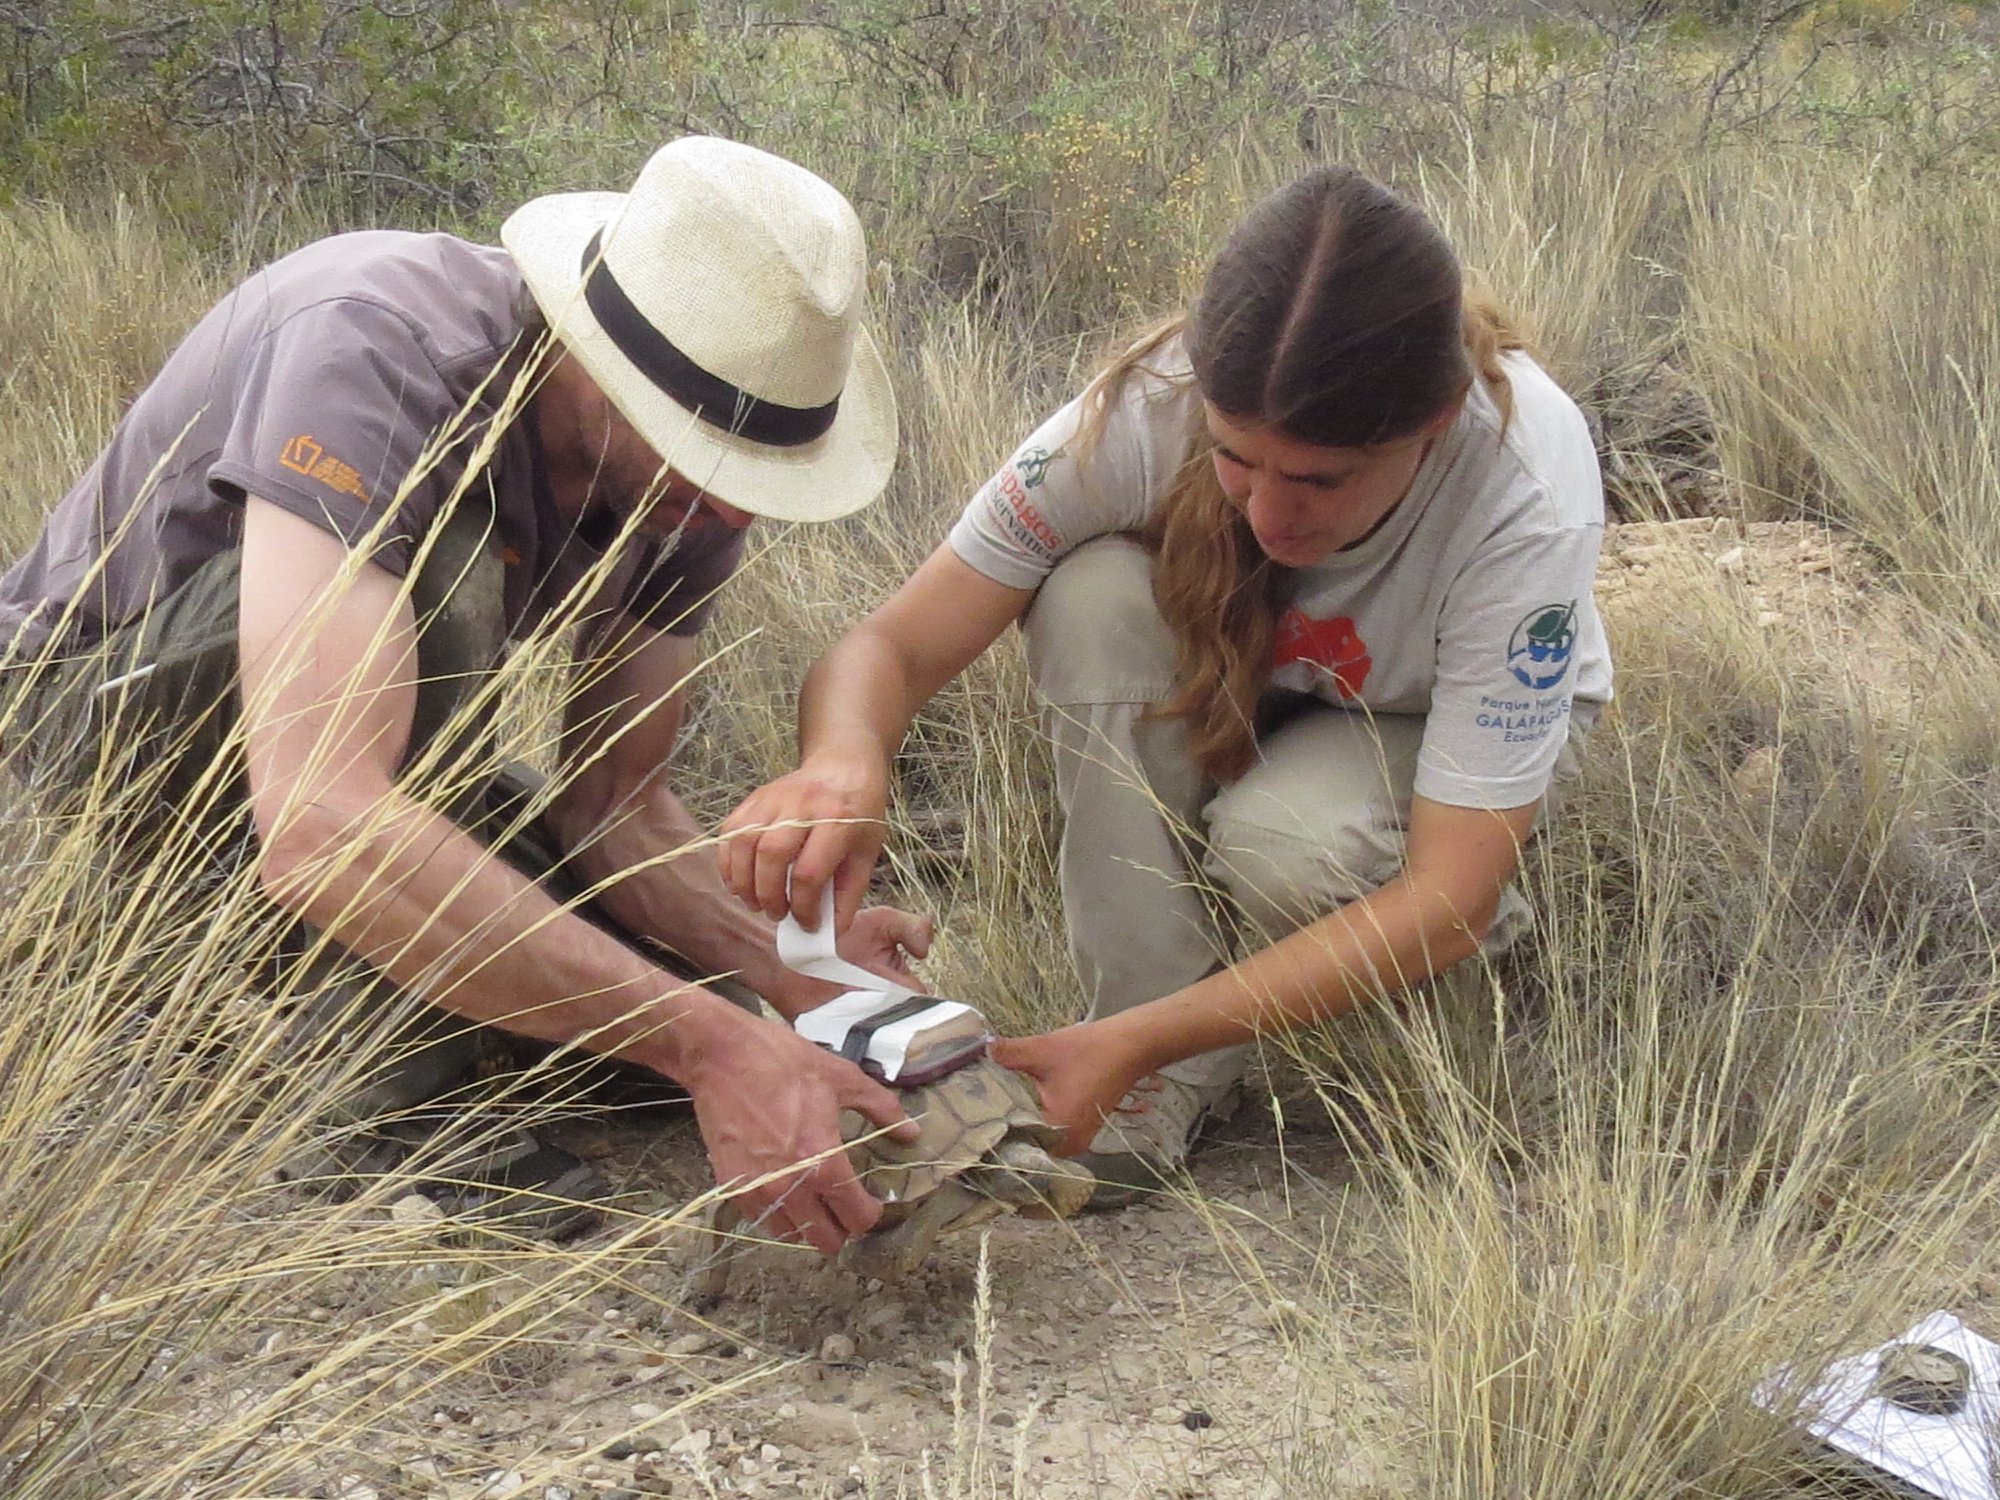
[1538,653]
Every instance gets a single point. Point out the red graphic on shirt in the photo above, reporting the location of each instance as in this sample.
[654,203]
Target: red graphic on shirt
[1332,646]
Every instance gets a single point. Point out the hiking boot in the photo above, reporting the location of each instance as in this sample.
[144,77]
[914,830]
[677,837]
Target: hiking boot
[511,1182]
[1151,1133]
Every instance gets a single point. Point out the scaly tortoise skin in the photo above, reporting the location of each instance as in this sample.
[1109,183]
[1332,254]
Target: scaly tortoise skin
[984,1151]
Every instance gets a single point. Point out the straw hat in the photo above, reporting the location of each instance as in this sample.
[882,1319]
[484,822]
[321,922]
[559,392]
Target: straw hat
[718,305]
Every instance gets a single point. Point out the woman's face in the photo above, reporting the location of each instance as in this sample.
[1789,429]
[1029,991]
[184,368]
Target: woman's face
[1304,501]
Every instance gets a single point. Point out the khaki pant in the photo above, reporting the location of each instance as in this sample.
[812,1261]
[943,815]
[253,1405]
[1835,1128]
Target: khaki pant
[1164,874]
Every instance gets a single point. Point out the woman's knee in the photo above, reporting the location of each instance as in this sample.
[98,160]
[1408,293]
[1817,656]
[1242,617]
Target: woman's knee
[1278,876]
[1318,822]
[1094,633]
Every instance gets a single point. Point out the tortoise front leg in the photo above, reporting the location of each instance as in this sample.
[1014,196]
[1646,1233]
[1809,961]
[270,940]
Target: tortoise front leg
[710,1282]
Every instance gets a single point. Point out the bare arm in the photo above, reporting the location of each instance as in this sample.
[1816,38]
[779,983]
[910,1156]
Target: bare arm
[329,680]
[1433,914]
[629,833]
[824,820]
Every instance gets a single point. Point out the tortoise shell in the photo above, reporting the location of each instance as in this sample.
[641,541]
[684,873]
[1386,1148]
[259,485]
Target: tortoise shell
[963,1116]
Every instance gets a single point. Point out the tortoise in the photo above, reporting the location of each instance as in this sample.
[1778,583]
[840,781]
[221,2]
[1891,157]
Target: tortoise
[984,1151]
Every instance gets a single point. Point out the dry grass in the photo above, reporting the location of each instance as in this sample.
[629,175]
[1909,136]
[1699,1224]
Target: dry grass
[1731,1108]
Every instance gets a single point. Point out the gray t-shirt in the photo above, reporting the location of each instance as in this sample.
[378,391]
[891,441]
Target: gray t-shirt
[1470,604]
[316,385]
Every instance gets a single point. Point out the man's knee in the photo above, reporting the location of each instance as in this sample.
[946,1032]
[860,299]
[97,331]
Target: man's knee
[1094,633]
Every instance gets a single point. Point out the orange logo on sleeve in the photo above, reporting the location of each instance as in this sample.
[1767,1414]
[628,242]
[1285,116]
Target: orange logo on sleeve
[305,456]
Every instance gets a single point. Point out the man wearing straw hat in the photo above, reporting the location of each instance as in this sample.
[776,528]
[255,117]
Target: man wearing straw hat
[357,479]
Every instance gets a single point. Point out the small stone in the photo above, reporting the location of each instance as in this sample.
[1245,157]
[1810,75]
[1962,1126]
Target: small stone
[354,1487]
[645,1411]
[787,1412]
[770,1453]
[690,1343]
[836,1349]
[415,1208]
[693,1444]
[1758,776]
[1130,1370]
[502,1485]
[1195,1419]
[1731,561]
[558,1492]
[620,1449]
[1002,1419]
[1283,1314]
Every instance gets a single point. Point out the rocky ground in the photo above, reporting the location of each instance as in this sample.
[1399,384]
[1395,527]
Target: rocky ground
[1171,1350]
[1162,1351]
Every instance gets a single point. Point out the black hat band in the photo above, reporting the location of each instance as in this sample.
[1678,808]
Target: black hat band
[711,398]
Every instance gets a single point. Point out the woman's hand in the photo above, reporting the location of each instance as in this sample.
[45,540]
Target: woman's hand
[822,822]
[1081,1071]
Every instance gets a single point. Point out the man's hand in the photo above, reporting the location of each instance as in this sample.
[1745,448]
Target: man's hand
[1081,1071]
[884,941]
[824,821]
[769,1102]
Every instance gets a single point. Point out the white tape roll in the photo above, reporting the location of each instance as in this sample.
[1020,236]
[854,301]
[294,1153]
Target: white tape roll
[813,954]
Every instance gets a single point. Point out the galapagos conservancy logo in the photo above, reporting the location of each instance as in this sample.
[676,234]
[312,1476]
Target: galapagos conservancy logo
[1016,512]
[1538,653]
[1033,466]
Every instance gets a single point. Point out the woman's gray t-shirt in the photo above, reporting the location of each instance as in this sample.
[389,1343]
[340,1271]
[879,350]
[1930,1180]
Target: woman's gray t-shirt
[318,385]
[1469,605]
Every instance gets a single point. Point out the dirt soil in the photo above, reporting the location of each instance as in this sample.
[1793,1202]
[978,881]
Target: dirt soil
[1160,1351]
[1163,1351]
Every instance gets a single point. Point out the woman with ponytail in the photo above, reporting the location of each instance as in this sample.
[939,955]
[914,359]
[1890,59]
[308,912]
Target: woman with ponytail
[1305,577]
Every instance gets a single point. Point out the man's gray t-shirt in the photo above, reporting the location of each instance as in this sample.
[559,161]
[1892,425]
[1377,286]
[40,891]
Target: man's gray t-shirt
[317,385]
[1470,604]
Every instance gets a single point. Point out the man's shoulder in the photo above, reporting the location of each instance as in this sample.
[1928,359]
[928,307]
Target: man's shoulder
[459,300]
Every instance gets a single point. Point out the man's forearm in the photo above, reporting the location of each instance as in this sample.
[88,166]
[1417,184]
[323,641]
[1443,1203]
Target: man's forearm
[414,895]
[652,868]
